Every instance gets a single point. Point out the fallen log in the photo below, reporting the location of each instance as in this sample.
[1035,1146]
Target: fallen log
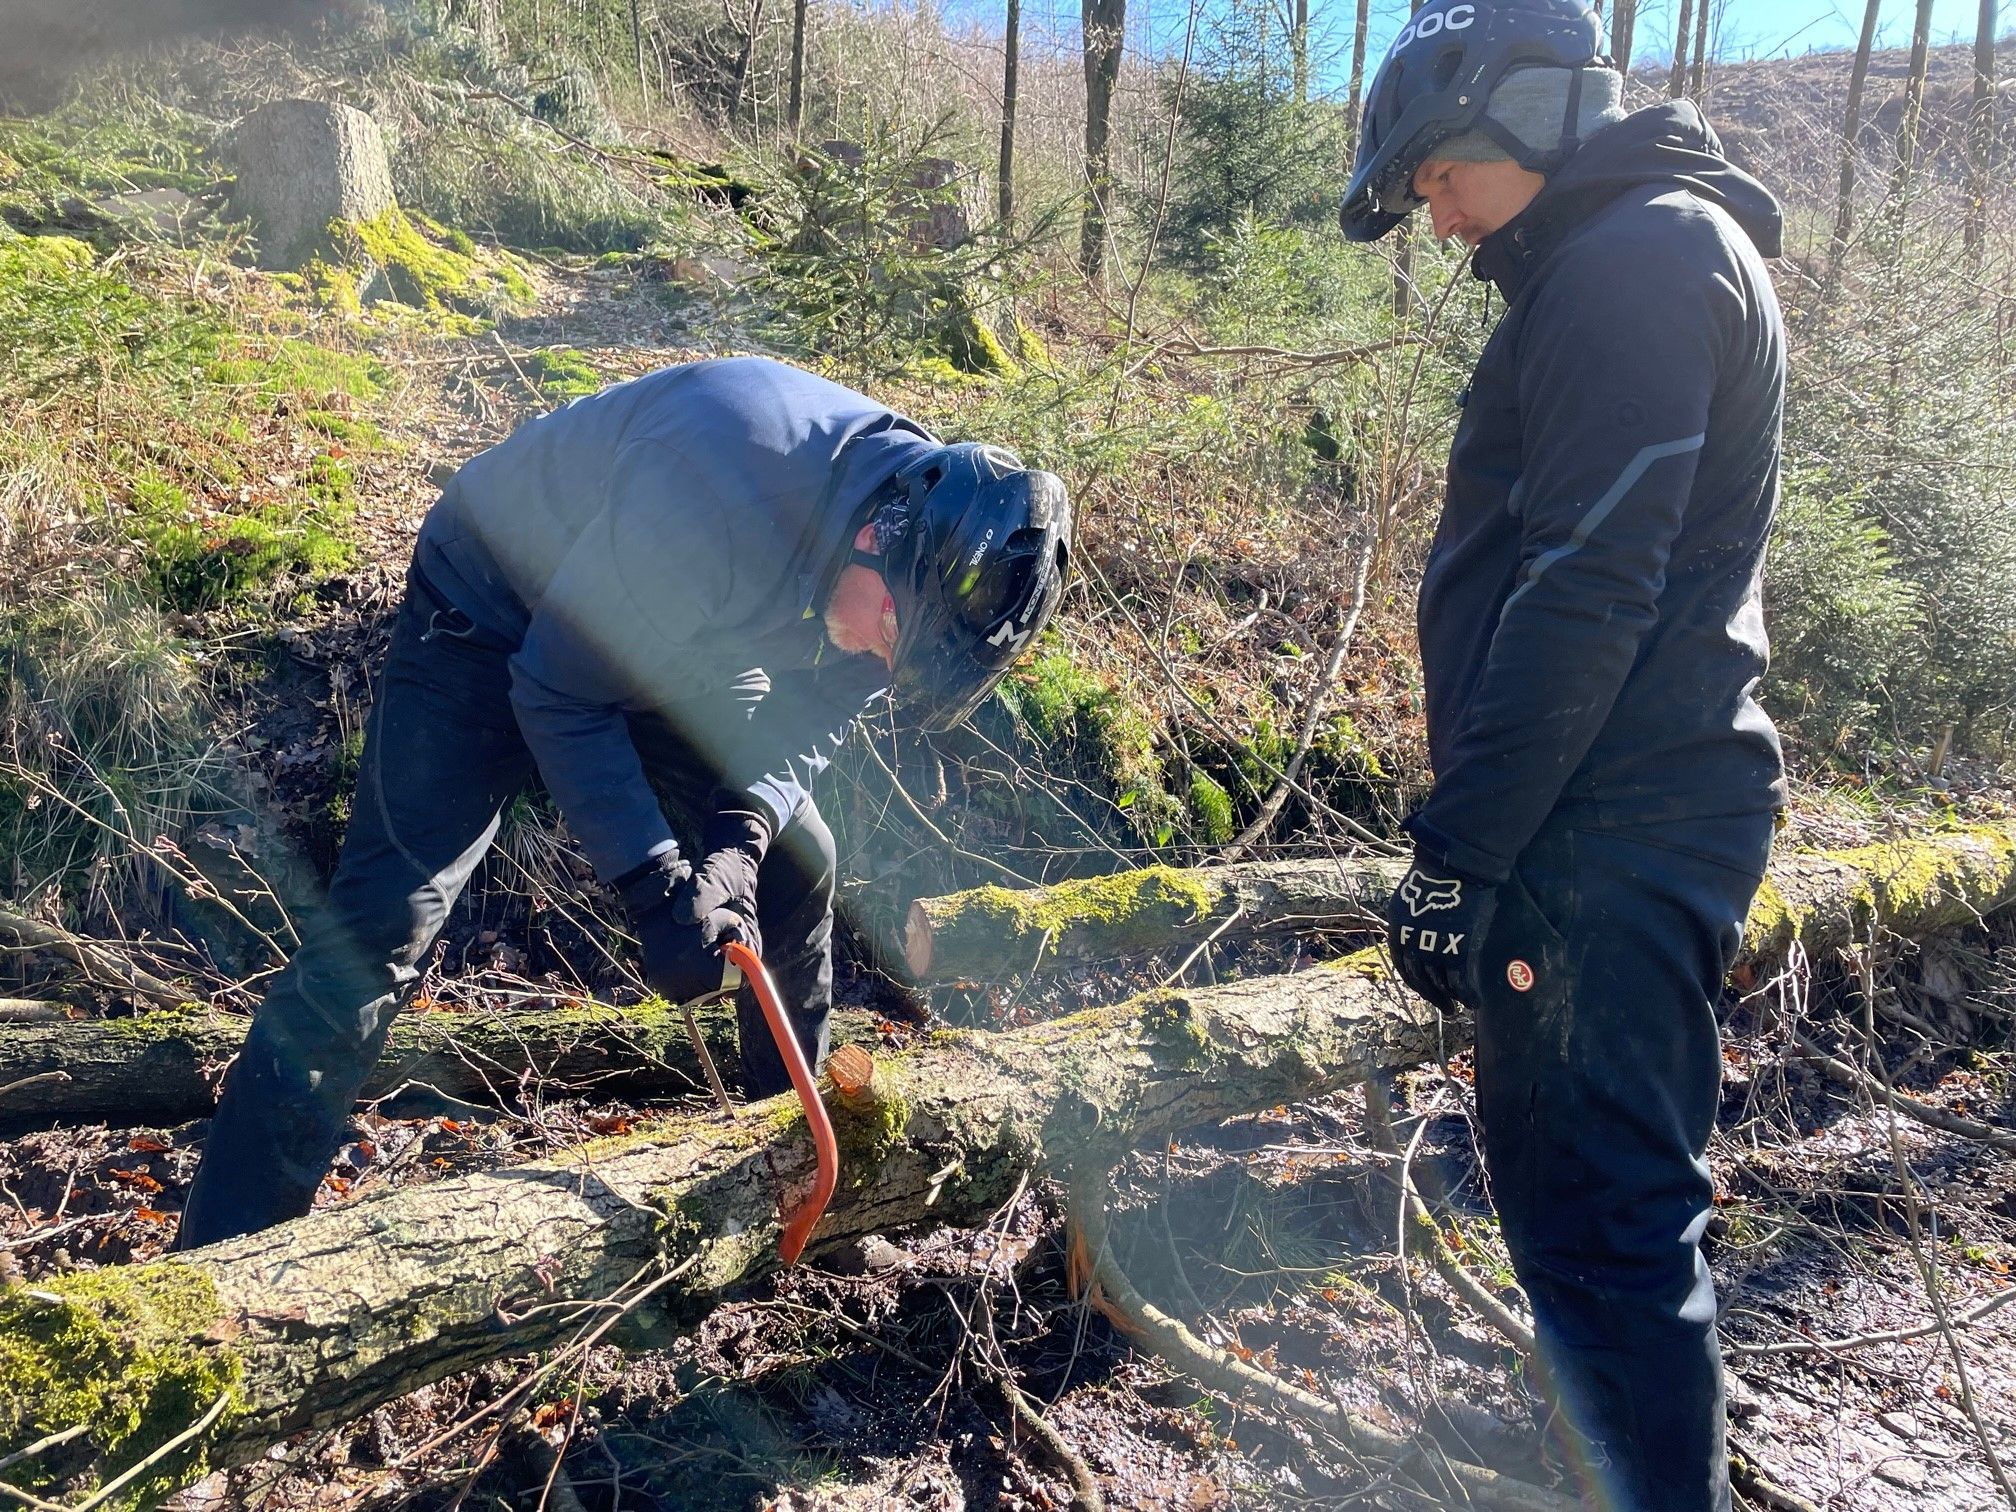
[1821,900]
[315,1322]
[989,931]
[164,1066]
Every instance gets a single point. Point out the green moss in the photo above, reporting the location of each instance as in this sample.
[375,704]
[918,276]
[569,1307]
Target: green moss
[290,368]
[974,348]
[1211,809]
[563,373]
[865,1135]
[127,1350]
[1371,963]
[431,269]
[1030,347]
[1085,719]
[1128,909]
[1171,1019]
[332,287]
[359,435]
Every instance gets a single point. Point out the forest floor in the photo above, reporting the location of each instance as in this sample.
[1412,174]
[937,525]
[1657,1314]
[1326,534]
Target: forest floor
[870,1378]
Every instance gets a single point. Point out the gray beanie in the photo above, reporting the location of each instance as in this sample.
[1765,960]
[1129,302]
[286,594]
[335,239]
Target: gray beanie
[1532,104]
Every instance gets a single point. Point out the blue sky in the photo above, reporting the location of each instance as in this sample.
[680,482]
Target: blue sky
[1743,28]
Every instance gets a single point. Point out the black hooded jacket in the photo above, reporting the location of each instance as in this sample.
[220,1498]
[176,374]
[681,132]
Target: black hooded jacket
[1591,624]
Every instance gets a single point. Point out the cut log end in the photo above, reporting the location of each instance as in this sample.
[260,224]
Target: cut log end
[917,941]
[852,1070]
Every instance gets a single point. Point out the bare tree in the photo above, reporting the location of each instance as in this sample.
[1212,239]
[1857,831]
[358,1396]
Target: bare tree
[637,42]
[739,80]
[794,110]
[1679,84]
[1851,127]
[1981,131]
[1105,30]
[1914,107]
[1699,85]
[1008,90]
[1299,44]
[1623,21]
[1360,28]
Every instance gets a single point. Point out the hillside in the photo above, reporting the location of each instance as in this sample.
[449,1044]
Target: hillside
[214,462]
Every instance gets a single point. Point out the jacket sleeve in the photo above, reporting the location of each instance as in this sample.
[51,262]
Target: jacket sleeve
[627,599]
[797,729]
[1617,374]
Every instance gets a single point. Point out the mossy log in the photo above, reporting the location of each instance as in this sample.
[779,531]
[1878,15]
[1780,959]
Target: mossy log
[1819,899]
[990,931]
[318,1321]
[165,1066]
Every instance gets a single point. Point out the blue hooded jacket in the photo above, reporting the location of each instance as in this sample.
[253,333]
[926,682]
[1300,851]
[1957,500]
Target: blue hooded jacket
[1591,623]
[666,547]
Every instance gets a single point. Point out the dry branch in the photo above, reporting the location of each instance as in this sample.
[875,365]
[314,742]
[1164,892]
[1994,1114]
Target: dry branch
[1823,900]
[318,1321]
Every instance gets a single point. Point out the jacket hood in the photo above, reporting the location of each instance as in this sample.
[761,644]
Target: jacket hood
[867,461]
[1669,145]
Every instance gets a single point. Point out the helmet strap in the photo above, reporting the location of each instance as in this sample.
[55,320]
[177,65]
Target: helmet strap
[875,562]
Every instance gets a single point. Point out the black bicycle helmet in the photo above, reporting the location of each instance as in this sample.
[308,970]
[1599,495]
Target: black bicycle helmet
[980,548]
[1436,81]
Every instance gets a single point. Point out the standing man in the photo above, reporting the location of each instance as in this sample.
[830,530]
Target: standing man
[1591,636]
[694,580]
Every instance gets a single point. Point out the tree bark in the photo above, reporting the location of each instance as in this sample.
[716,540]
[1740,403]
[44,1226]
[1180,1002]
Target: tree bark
[991,931]
[1914,107]
[1360,31]
[1678,87]
[315,1322]
[1299,47]
[1818,899]
[1981,132]
[1851,127]
[1623,21]
[1010,84]
[1105,29]
[794,112]
[637,42]
[164,1067]
[1698,84]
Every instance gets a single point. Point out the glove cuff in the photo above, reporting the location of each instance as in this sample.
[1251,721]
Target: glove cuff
[737,825]
[653,883]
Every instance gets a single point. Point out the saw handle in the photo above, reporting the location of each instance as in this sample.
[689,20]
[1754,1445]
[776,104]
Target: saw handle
[799,1225]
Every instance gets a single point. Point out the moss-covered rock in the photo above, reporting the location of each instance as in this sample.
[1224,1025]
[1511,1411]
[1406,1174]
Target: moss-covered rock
[414,261]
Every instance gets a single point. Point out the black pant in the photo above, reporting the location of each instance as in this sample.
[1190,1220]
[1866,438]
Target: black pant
[442,757]
[1597,1084]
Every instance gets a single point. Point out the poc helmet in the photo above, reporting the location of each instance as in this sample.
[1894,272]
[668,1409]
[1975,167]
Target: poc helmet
[1436,81]
[976,572]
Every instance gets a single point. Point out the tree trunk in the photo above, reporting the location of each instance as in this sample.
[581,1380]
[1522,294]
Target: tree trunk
[794,113]
[1623,21]
[1914,111]
[1679,85]
[164,1067]
[637,41]
[1821,899]
[1360,31]
[315,1322]
[1299,44]
[1851,127]
[1981,132]
[991,931]
[1010,69]
[1699,84]
[1105,28]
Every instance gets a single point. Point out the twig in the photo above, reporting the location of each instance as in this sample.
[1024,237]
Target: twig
[1973,1314]
[1191,959]
[1085,1493]
[1277,799]
[61,1436]
[194,1431]
[1427,1234]
[40,1079]
[1098,1277]
[1911,1107]
[91,956]
[1755,1485]
[1185,348]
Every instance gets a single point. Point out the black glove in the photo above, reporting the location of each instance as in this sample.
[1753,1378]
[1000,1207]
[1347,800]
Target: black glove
[678,965]
[722,897]
[1435,925]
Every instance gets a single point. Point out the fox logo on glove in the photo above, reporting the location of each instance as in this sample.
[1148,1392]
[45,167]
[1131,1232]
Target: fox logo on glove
[1426,894]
